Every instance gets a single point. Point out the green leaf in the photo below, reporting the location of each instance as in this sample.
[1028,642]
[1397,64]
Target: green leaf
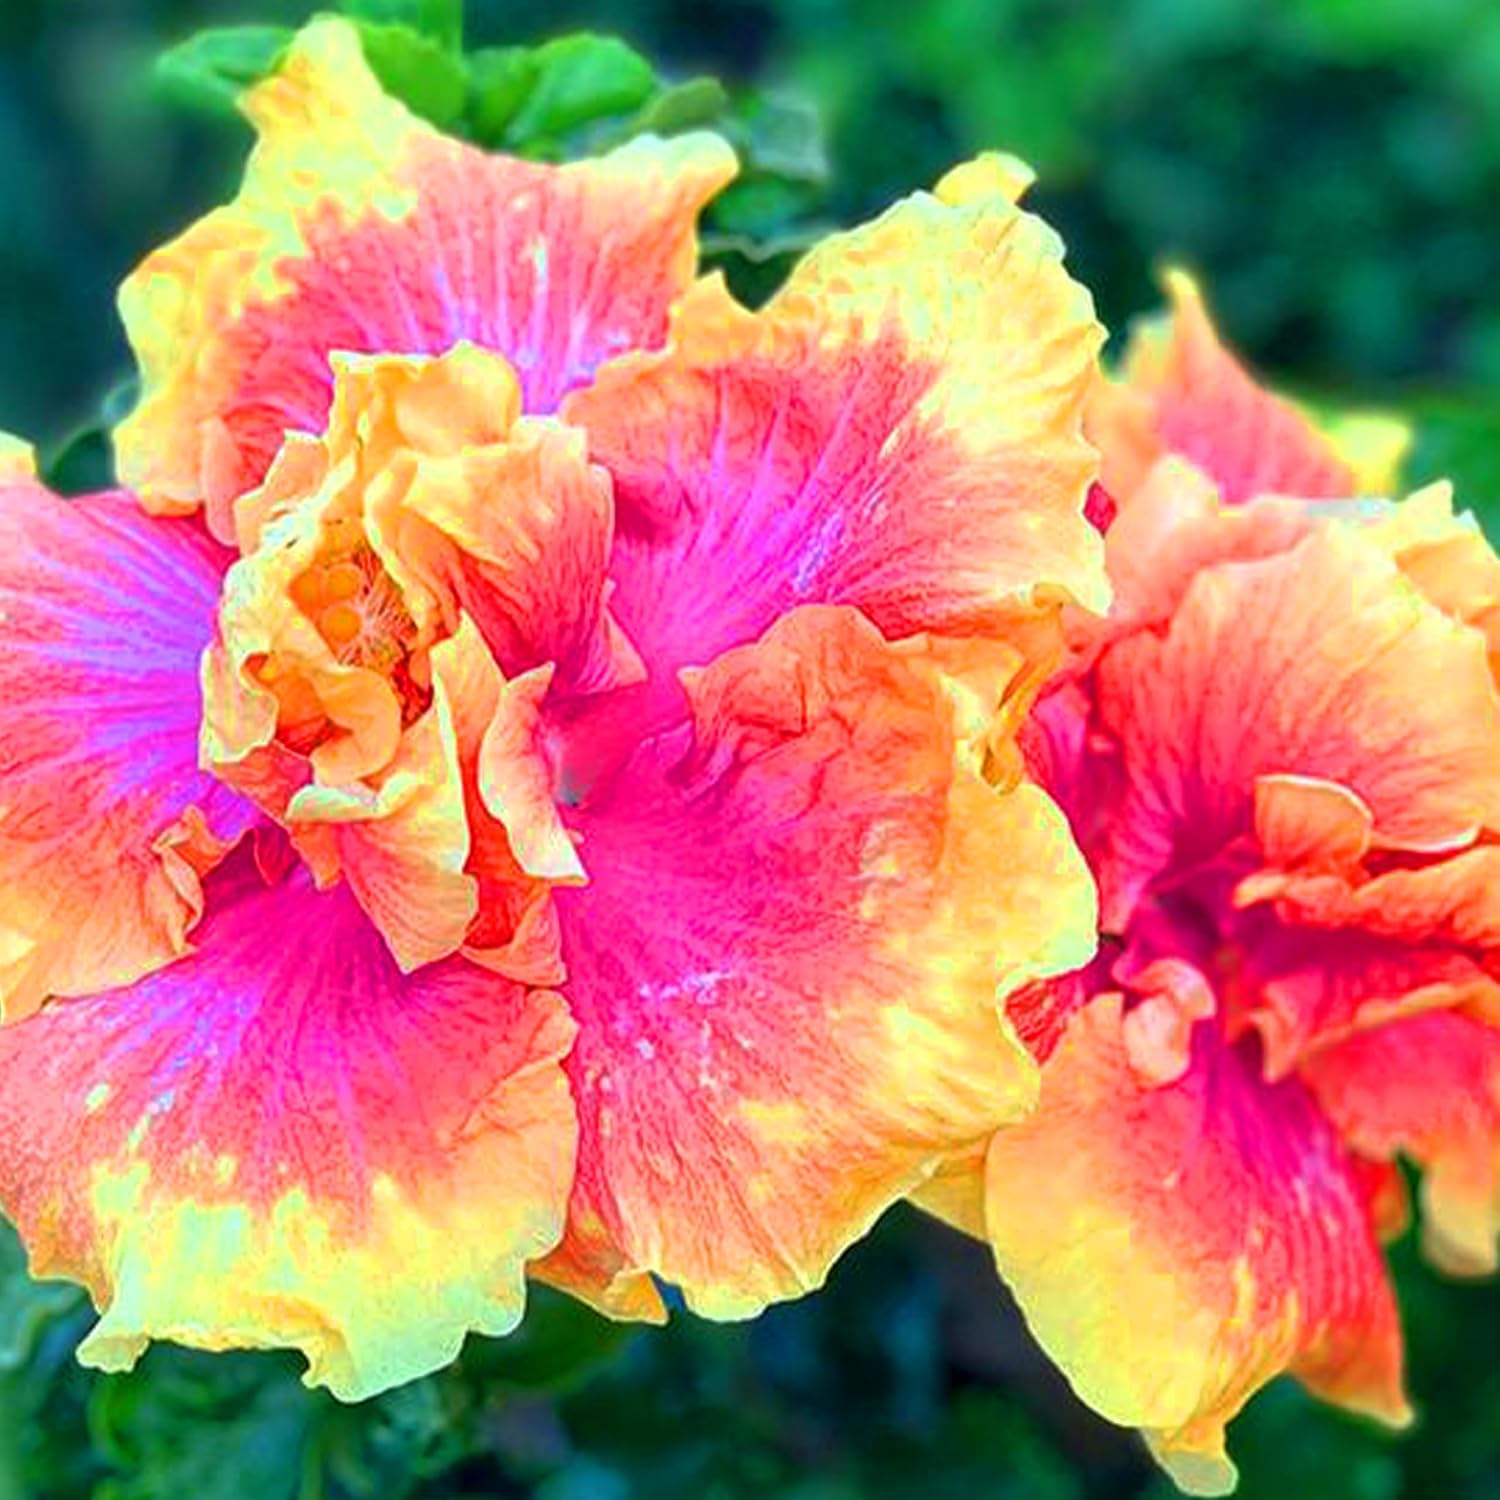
[779,135]
[27,1307]
[440,21]
[211,70]
[580,78]
[215,1427]
[82,460]
[500,78]
[558,1343]
[689,105]
[420,72]
[767,245]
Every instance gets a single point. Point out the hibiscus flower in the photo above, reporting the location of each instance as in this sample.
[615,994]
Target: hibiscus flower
[1280,753]
[507,800]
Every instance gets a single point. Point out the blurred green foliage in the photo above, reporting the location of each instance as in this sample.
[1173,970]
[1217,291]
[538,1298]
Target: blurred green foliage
[1332,167]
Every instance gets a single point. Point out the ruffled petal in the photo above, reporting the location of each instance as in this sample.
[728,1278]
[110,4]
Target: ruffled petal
[1200,402]
[1447,556]
[1303,987]
[359,228]
[1174,528]
[106,823]
[431,547]
[404,847]
[788,964]
[1427,1087]
[521,535]
[281,1141]
[1176,1246]
[1303,663]
[899,430]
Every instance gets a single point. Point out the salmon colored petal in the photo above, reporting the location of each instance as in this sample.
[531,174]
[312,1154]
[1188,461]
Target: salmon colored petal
[106,822]
[428,545]
[788,964]
[360,228]
[899,430]
[1306,823]
[286,1143]
[1305,987]
[1385,1197]
[526,525]
[1173,529]
[1301,663]
[514,931]
[1448,557]
[1454,900]
[1427,1087]
[1174,1247]
[1119,421]
[1205,406]
[404,847]
[590,1265]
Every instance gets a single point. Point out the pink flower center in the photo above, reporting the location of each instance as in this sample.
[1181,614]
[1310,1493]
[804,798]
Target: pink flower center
[590,739]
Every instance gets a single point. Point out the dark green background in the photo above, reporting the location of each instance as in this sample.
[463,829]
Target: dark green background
[1333,169]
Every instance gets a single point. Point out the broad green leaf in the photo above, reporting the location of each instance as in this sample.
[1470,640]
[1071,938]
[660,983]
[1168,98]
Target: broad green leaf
[689,105]
[500,78]
[761,206]
[82,460]
[209,71]
[767,245]
[440,21]
[428,79]
[580,78]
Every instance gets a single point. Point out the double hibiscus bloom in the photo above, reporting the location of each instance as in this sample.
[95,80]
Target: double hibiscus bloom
[548,773]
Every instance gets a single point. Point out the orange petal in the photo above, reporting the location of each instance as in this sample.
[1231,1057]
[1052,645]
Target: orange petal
[1175,1247]
[427,528]
[1303,663]
[404,846]
[1428,1086]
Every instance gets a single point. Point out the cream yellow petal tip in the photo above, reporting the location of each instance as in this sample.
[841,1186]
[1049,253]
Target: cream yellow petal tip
[1375,445]
[1198,1472]
[327,49]
[1181,286]
[17,459]
[992,174]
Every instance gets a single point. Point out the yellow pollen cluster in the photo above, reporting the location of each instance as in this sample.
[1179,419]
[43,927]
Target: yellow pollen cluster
[357,608]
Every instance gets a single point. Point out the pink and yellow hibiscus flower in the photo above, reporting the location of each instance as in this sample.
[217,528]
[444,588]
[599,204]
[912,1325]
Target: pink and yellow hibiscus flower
[507,801]
[1280,753]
